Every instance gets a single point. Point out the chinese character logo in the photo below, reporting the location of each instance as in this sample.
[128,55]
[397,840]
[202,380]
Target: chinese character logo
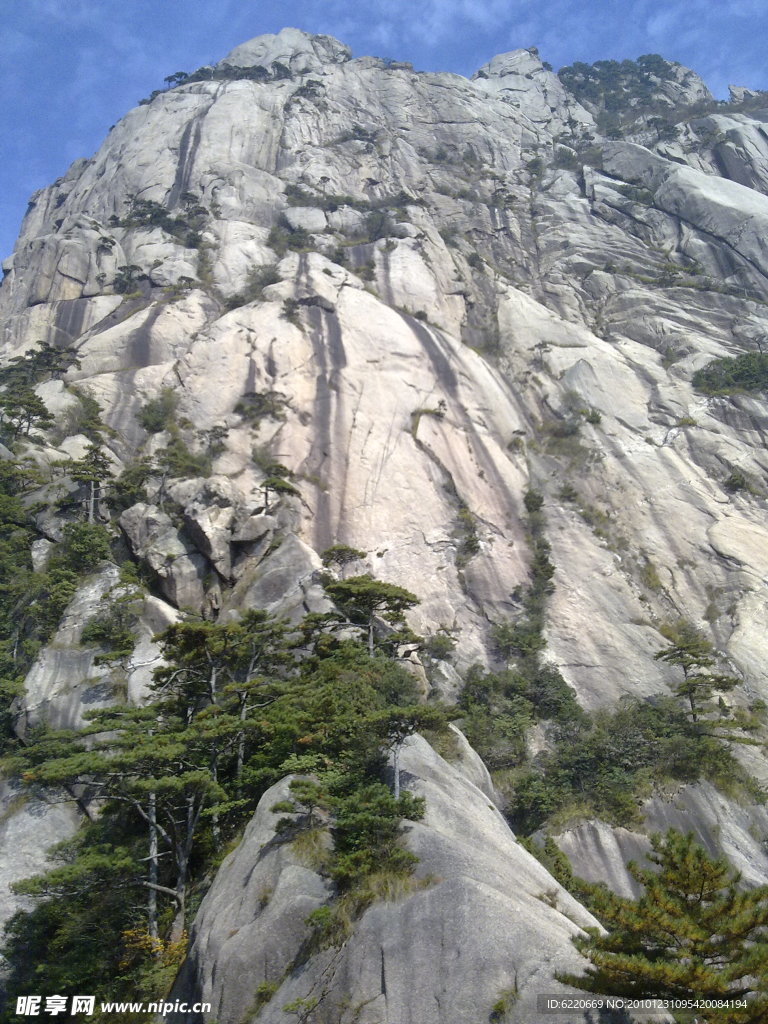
[83,1004]
[28,1006]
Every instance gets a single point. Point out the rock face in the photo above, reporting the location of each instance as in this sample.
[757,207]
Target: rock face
[66,680]
[413,297]
[488,920]
[292,48]
[28,827]
[497,293]
[600,853]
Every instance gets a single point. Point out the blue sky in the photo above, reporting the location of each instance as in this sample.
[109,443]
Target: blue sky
[71,68]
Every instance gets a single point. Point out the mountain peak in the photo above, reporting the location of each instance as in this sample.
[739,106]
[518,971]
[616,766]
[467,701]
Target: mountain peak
[514,62]
[297,50]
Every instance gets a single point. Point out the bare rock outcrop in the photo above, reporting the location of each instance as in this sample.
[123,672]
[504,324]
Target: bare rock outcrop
[599,853]
[486,918]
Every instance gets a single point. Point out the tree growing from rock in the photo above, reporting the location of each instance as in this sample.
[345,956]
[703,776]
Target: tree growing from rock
[694,933]
[691,651]
[91,471]
[362,598]
[397,724]
[340,556]
[21,409]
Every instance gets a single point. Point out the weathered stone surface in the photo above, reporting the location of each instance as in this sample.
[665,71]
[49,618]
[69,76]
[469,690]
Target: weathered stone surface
[253,528]
[29,826]
[180,569]
[63,684]
[487,313]
[64,681]
[154,616]
[471,765]
[210,509]
[295,49]
[520,78]
[249,929]
[356,371]
[283,584]
[599,852]
[441,954]
[40,551]
[306,217]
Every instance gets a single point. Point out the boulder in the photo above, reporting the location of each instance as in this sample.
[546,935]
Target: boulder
[485,920]
[307,218]
[180,568]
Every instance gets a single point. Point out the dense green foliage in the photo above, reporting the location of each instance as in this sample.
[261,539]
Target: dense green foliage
[113,629]
[92,472]
[694,933]
[129,488]
[178,460]
[523,639]
[235,707]
[500,707]
[21,410]
[611,84]
[623,91]
[283,237]
[604,765]
[731,374]
[61,944]
[127,279]
[20,633]
[83,546]
[159,413]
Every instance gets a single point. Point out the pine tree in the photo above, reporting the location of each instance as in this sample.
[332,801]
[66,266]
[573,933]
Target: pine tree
[694,933]
[21,408]
[695,655]
[395,725]
[222,672]
[91,471]
[164,762]
[152,762]
[37,364]
[361,598]
[340,556]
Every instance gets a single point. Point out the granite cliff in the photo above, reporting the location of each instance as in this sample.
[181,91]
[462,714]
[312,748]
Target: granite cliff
[422,297]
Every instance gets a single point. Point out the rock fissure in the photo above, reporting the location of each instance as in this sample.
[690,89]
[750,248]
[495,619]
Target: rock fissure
[440,214]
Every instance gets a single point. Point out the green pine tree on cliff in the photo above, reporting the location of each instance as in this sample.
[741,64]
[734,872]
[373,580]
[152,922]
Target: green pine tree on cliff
[694,933]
